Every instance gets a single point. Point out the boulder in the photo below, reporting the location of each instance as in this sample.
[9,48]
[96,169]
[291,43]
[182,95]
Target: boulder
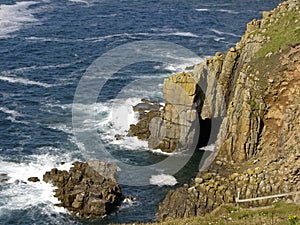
[88,189]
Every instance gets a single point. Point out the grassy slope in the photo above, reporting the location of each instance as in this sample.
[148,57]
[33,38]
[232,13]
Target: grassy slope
[281,213]
[284,33]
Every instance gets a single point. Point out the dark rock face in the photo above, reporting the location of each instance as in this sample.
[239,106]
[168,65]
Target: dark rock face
[33,179]
[88,189]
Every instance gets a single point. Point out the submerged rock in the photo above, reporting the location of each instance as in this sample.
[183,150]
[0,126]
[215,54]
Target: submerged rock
[89,189]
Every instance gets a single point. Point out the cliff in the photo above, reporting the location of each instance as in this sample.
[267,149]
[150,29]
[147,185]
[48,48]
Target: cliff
[254,90]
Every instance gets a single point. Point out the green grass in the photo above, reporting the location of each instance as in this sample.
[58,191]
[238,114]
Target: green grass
[280,213]
[284,33]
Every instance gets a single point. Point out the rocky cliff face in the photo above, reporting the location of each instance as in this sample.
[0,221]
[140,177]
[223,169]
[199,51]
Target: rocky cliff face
[256,86]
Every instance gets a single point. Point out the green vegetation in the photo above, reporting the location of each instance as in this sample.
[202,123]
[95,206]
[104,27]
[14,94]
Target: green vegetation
[280,213]
[293,220]
[264,68]
[284,33]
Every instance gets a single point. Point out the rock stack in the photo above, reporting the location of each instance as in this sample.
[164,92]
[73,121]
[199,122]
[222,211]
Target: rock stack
[176,129]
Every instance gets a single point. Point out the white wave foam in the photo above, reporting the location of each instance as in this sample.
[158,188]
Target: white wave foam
[24,81]
[131,143]
[209,148]
[171,32]
[50,39]
[227,11]
[224,33]
[119,117]
[160,152]
[30,68]
[103,38]
[181,67]
[110,119]
[14,17]
[163,180]
[19,194]
[86,2]
[122,114]
[202,10]
[167,31]
[217,39]
[61,127]
[127,203]
[181,34]
[12,115]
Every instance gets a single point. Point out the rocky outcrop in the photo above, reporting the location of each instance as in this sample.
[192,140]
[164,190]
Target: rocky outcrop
[147,110]
[173,128]
[257,148]
[176,129]
[88,189]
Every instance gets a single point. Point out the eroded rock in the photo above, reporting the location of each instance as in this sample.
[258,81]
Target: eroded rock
[87,189]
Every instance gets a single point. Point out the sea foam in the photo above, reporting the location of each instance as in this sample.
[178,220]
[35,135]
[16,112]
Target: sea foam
[14,17]
[24,81]
[163,180]
[21,194]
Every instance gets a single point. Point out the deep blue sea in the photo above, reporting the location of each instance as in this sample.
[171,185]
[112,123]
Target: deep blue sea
[46,47]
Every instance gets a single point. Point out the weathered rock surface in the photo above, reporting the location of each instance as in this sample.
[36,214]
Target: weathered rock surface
[88,189]
[258,146]
[176,129]
[172,128]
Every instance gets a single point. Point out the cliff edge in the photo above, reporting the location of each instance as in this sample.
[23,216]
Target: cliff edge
[254,90]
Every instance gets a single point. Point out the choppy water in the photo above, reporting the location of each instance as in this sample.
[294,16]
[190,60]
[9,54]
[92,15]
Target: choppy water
[46,47]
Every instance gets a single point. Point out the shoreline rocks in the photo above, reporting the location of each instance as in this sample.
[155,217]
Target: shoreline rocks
[88,189]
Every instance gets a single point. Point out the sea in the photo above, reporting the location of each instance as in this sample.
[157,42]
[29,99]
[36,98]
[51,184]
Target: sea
[49,49]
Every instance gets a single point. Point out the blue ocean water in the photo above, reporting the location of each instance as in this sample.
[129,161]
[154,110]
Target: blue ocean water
[46,47]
